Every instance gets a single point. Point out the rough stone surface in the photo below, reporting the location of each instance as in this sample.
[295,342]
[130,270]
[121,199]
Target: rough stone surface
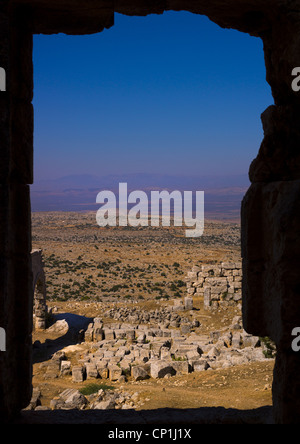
[39,288]
[78,373]
[271,287]
[69,399]
[217,284]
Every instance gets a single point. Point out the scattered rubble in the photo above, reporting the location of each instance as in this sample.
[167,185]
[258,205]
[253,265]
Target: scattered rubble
[121,352]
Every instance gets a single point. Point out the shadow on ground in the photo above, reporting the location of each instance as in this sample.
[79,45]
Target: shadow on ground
[76,326]
[176,417]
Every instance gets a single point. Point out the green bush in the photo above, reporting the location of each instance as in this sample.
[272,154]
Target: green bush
[94,388]
[270,348]
[180,358]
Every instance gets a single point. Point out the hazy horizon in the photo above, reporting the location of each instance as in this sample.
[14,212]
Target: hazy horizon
[219,181]
[78,193]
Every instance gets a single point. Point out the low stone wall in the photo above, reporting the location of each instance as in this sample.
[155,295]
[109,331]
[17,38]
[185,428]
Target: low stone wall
[39,289]
[219,284]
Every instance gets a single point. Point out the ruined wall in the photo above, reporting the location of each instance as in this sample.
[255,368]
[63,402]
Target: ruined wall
[217,284]
[39,289]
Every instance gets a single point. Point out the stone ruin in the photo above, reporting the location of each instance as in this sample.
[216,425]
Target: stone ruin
[39,290]
[219,285]
[138,345]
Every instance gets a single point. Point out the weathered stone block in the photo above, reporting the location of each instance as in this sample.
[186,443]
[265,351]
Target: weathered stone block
[114,372]
[78,373]
[109,334]
[200,365]
[98,334]
[207,296]
[185,329]
[160,368]
[140,372]
[181,367]
[188,303]
[91,371]
[65,368]
[102,370]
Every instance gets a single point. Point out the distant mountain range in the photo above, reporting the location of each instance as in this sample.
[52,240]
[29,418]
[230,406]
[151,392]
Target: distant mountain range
[141,181]
[223,194]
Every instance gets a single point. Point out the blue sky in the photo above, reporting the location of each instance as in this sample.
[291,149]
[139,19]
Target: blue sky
[170,94]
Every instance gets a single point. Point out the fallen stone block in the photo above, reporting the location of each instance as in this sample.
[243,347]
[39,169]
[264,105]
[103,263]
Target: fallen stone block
[159,369]
[65,368]
[140,372]
[250,341]
[130,335]
[200,365]
[185,329]
[181,367]
[53,370]
[60,326]
[98,334]
[188,303]
[35,399]
[114,372]
[73,399]
[109,334]
[89,333]
[105,405]
[102,370]
[120,334]
[78,373]
[91,371]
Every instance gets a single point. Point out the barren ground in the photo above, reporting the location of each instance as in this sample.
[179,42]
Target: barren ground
[89,269]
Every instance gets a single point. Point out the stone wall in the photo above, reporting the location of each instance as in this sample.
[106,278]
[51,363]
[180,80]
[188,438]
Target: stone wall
[218,284]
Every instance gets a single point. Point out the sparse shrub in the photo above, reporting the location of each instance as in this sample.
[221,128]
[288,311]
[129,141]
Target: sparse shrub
[270,348]
[94,388]
[180,358]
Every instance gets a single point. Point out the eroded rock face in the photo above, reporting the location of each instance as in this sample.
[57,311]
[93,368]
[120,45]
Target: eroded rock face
[269,223]
[271,288]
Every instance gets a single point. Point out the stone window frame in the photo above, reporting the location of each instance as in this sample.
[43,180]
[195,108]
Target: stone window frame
[270,210]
